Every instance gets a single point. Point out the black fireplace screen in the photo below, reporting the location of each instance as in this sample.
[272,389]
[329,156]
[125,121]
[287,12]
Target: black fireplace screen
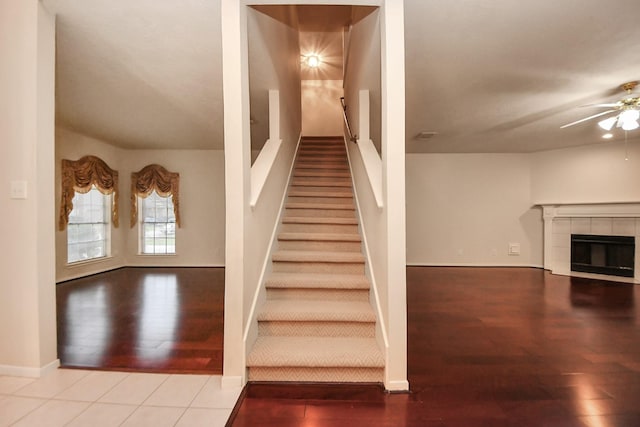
[612,255]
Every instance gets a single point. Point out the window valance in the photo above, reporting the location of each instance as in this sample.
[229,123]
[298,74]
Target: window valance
[150,178]
[80,175]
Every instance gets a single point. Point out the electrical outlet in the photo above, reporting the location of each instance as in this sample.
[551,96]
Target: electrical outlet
[514,248]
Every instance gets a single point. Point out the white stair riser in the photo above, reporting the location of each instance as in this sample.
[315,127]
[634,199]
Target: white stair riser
[347,375]
[320,174]
[317,329]
[314,167]
[318,294]
[312,156]
[343,200]
[319,228]
[331,183]
[322,149]
[328,184]
[322,201]
[318,267]
[309,245]
[323,213]
[333,192]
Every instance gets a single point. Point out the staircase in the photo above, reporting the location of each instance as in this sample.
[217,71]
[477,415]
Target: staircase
[317,323]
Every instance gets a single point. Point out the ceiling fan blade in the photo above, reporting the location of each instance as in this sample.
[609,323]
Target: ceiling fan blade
[587,118]
[601,105]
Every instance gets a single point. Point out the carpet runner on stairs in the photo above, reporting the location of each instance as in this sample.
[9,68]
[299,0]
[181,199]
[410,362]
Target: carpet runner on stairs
[317,323]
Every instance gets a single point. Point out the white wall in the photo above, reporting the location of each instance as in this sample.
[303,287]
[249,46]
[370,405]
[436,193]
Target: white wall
[363,73]
[200,239]
[465,209]
[273,52]
[27,290]
[595,173]
[321,108]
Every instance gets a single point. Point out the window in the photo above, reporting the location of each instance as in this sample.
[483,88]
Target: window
[88,230]
[158,225]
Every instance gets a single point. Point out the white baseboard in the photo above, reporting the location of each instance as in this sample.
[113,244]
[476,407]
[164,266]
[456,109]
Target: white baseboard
[230,381]
[470,264]
[23,371]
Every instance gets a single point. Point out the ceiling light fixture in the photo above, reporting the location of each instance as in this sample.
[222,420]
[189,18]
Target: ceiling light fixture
[607,136]
[607,124]
[626,110]
[313,61]
[628,119]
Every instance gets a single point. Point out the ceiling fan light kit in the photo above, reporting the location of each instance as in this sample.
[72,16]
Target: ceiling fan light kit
[627,109]
[607,124]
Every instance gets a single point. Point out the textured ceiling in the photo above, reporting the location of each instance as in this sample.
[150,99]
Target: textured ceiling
[503,75]
[140,73]
[497,76]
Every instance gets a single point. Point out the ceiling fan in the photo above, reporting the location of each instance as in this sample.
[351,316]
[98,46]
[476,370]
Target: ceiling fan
[623,113]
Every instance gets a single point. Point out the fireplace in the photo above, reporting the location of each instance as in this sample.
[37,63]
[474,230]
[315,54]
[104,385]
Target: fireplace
[611,255]
[561,221]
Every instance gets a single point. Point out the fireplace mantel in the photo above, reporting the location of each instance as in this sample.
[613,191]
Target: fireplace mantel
[563,219]
[591,210]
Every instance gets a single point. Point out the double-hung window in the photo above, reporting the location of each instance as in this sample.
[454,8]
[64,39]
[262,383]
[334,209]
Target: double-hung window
[88,230]
[88,207]
[158,225]
[155,207]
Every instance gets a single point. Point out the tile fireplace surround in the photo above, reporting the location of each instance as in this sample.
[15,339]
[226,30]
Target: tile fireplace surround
[562,220]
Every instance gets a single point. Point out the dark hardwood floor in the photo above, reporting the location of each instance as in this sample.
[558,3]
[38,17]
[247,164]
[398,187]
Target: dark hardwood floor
[143,319]
[486,347]
[489,347]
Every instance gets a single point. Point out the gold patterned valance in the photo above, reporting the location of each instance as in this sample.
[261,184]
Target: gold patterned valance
[154,177]
[80,175]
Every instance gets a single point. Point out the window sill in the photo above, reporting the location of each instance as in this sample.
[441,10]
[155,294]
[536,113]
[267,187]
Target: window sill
[157,255]
[89,261]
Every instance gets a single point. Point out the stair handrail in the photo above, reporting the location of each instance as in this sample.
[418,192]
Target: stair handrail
[352,137]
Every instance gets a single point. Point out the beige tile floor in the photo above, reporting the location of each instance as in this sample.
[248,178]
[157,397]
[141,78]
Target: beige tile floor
[78,398]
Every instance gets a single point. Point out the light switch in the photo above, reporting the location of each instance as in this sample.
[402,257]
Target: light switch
[18,189]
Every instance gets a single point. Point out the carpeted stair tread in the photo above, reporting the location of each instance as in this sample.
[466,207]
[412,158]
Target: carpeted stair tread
[321,237]
[315,352]
[313,154]
[322,174]
[324,192]
[299,182]
[319,220]
[317,323]
[318,310]
[323,166]
[318,256]
[309,205]
[317,281]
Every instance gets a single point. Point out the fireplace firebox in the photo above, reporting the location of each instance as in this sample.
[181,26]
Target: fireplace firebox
[610,255]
